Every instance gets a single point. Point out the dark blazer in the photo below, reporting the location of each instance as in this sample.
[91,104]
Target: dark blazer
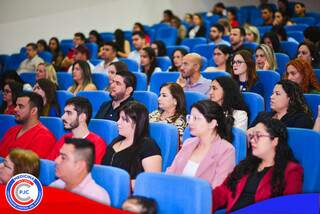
[222,195]
[200,33]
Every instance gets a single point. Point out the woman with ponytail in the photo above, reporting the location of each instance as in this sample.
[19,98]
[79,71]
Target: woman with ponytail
[209,154]
[270,169]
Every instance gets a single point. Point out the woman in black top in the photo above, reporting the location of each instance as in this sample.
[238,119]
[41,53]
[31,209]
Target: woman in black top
[133,150]
[199,29]
[288,105]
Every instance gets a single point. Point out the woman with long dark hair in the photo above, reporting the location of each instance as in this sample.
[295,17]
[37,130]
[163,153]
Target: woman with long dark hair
[57,54]
[225,91]
[10,92]
[123,45]
[270,170]
[221,57]
[288,104]
[148,62]
[209,155]
[133,150]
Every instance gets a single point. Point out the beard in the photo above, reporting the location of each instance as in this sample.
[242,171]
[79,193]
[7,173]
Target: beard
[22,120]
[118,96]
[74,124]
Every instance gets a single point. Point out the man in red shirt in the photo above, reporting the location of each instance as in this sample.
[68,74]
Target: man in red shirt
[30,133]
[76,117]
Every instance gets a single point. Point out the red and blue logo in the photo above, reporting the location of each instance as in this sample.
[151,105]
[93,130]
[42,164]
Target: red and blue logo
[24,192]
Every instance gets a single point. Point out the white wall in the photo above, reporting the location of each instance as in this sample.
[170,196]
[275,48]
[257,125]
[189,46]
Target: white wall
[23,21]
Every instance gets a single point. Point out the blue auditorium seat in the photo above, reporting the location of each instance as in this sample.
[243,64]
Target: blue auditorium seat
[65,80]
[255,103]
[205,50]
[167,35]
[193,97]
[159,78]
[141,81]
[29,77]
[171,49]
[106,129]
[290,48]
[132,64]
[62,97]
[93,50]
[46,56]
[96,99]
[6,121]
[282,60]
[163,62]
[54,124]
[148,98]
[313,100]
[47,172]
[101,80]
[268,80]
[191,43]
[214,75]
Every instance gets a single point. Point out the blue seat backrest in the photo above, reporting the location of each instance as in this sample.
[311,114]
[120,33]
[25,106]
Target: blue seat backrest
[106,129]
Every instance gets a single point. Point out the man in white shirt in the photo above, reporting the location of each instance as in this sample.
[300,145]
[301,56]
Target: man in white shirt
[109,55]
[139,42]
[31,63]
[73,167]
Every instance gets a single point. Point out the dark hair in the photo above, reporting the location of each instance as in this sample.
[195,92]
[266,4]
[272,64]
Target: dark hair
[120,65]
[226,50]
[81,35]
[32,45]
[11,76]
[242,31]
[84,50]
[297,102]
[86,74]
[81,105]
[232,97]
[266,7]
[233,12]
[129,79]
[35,100]
[212,110]
[274,40]
[199,16]
[43,43]
[148,205]
[280,31]
[251,67]
[119,40]
[283,154]
[219,27]
[138,33]
[183,52]
[98,37]
[312,33]
[285,17]
[58,44]
[152,56]
[177,93]
[315,58]
[16,88]
[112,45]
[162,50]
[49,89]
[140,26]
[84,150]
[300,3]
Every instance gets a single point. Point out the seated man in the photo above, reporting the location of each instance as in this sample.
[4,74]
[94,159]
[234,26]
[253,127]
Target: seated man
[139,42]
[30,134]
[121,90]
[267,14]
[191,79]
[32,61]
[109,55]
[73,168]
[76,117]
[81,53]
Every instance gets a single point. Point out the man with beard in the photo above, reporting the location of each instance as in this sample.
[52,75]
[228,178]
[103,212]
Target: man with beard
[121,90]
[216,33]
[30,134]
[76,117]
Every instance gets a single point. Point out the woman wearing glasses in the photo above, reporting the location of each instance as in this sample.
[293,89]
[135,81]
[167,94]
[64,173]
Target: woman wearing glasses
[209,155]
[244,71]
[10,91]
[270,170]
[288,105]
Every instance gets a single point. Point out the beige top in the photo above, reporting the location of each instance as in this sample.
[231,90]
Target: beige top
[75,89]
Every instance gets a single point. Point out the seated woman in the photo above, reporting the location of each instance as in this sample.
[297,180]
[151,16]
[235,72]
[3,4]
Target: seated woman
[244,71]
[198,29]
[82,78]
[19,161]
[159,48]
[46,71]
[47,90]
[280,18]
[300,72]
[112,70]
[232,17]
[271,39]
[148,62]
[265,58]
[252,34]
[10,91]
[176,59]
[172,107]
[308,51]
[123,45]
[221,57]
[288,105]
[270,162]
[57,54]
[209,155]
[225,91]
[133,150]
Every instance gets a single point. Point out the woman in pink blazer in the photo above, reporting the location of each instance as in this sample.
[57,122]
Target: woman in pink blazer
[209,155]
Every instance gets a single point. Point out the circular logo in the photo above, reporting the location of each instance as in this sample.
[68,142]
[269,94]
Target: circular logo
[24,192]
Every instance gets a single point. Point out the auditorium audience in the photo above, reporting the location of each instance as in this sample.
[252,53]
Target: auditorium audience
[159,48]
[269,170]
[252,34]
[216,33]
[221,58]
[288,105]
[42,45]
[280,18]
[139,43]
[265,58]
[176,59]
[270,38]
[47,90]
[244,71]
[19,161]
[171,107]
[225,92]
[57,54]
[133,150]
[209,154]
[232,17]
[121,90]
[46,71]
[108,54]
[82,78]
[29,133]
[73,168]
[81,53]
[266,14]
[308,51]
[138,27]
[31,62]
[182,31]
[10,92]
[76,118]
[300,72]
[122,45]
[299,9]
[148,62]
[198,29]
[94,37]
[237,38]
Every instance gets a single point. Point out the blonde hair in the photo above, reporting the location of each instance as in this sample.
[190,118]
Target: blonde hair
[270,56]
[254,31]
[51,73]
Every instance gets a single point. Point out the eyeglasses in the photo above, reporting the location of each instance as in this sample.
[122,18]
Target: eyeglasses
[190,117]
[257,136]
[237,62]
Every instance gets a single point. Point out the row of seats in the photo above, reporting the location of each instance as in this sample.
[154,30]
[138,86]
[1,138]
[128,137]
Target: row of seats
[169,190]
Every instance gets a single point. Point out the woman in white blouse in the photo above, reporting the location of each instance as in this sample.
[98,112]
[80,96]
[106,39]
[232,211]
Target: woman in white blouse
[225,91]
